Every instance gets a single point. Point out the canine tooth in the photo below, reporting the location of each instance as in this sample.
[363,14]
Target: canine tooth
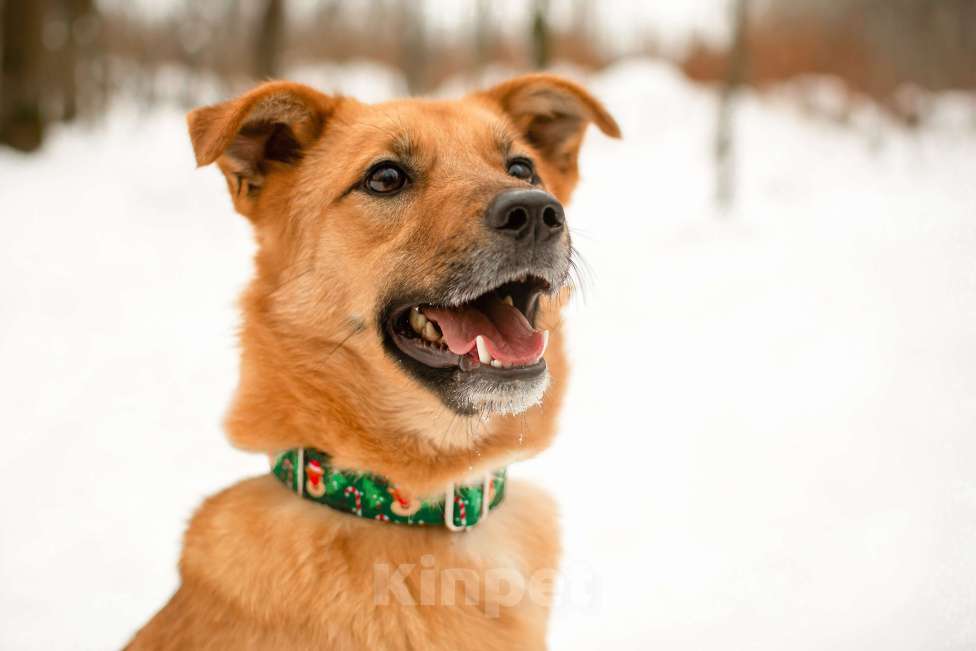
[508,299]
[430,333]
[483,355]
[417,320]
[496,363]
[545,342]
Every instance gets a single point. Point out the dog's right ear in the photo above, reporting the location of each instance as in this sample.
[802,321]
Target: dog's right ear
[257,134]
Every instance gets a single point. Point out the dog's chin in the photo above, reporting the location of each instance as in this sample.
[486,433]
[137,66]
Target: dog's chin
[479,351]
[481,394]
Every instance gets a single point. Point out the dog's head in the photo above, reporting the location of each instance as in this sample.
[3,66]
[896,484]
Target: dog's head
[412,254]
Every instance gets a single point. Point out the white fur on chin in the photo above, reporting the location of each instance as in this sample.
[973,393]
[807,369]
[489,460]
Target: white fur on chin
[513,397]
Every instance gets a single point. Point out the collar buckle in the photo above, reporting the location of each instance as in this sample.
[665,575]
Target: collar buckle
[450,497]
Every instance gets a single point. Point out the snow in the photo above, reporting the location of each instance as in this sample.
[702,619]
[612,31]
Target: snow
[782,458]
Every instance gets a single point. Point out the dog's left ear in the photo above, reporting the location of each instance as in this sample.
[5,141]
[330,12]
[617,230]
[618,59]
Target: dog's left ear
[261,132]
[552,113]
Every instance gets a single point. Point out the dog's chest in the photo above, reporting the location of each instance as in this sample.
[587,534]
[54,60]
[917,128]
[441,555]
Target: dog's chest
[349,583]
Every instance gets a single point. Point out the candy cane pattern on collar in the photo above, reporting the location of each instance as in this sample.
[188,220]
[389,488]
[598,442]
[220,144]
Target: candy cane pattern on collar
[352,490]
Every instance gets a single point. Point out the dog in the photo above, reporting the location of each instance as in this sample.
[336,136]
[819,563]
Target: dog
[401,345]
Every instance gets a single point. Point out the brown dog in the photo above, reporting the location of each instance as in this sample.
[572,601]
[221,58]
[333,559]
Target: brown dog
[412,258]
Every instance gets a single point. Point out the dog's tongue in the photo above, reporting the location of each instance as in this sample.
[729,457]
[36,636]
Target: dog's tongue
[508,335]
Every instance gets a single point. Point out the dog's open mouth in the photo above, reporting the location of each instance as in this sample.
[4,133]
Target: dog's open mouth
[493,332]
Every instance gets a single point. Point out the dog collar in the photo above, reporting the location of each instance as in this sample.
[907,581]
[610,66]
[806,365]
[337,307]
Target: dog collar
[309,473]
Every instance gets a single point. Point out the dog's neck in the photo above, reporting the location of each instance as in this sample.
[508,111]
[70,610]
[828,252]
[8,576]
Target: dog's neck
[368,429]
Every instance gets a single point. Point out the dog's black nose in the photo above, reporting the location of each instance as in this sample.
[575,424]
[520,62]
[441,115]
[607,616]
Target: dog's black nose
[527,216]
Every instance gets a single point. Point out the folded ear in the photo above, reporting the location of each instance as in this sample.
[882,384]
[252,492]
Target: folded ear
[552,113]
[262,131]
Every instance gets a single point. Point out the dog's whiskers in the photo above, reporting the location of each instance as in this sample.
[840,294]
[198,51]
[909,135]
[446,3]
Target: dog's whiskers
[579,272]
[447,433]
[360,327]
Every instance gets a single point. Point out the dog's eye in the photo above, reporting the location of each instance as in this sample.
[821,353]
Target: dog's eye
[521,169]
[385,178]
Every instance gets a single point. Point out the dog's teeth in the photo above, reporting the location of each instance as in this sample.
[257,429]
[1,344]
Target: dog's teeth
[545,342]
[508,299]
[430,332]
[483,355]
[496,363]
[417,320]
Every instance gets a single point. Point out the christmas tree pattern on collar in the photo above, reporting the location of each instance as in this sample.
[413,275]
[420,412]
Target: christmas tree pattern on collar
[309,473]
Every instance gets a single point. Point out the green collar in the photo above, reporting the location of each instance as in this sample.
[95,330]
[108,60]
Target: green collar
[308,472]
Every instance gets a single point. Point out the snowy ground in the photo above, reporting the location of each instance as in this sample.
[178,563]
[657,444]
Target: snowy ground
[769,443]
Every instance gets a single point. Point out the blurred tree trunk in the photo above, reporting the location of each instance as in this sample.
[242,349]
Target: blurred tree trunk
[77,15]
[269,39]
[414,46]
[226,54]
[22,54]
[541,46]
[482,36]
[734,77]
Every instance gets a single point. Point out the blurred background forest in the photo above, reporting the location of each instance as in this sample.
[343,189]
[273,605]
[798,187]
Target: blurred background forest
[66,60]
[783,240]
